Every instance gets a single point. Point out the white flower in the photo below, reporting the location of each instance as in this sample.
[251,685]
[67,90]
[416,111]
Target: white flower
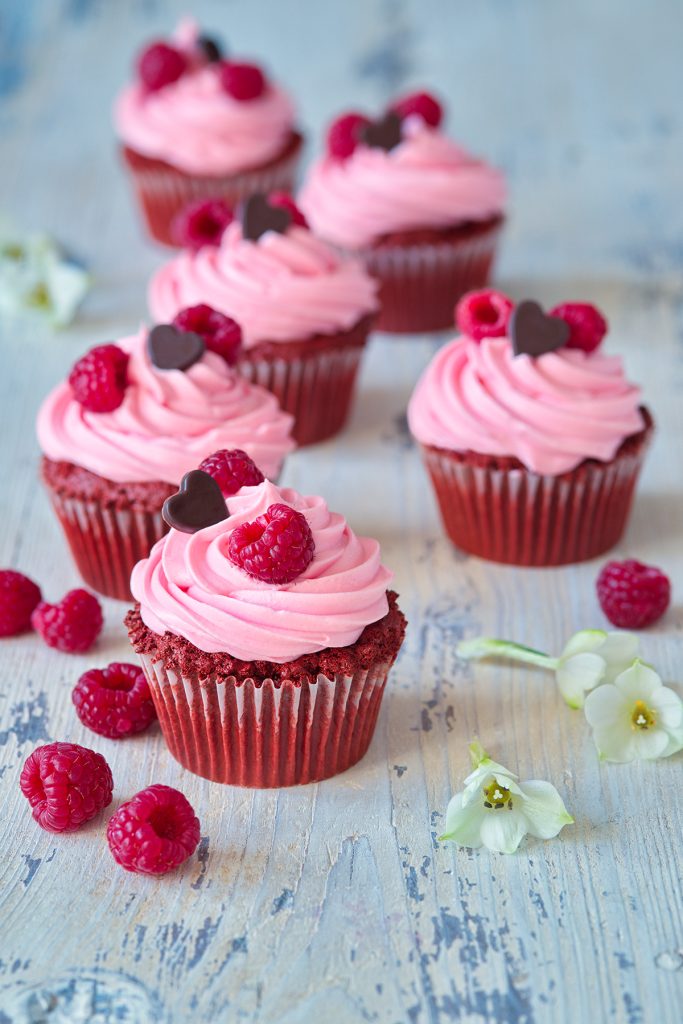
[496,811]
[635,717]
[37,278]
[590,656]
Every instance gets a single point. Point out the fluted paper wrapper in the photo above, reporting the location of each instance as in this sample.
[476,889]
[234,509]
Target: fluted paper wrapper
[267,734]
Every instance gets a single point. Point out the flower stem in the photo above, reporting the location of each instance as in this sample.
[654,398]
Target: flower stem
[486,647]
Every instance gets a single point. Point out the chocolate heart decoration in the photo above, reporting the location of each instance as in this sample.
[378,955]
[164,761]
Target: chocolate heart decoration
[211,49]
[535,333]
[383,134]
[257,216]
[171,349]
[199,503]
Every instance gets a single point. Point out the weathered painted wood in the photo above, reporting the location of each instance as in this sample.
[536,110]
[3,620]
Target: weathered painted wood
[336,899]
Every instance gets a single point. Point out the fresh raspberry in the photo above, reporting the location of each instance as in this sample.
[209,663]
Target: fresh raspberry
[66,785]
[154,832]
[242,81]
[160,65]
[201,223]
[276,548]
[18,597]
[99,379]
[232,469]
[483,314]
[221,333]
[343,135]
[285,202]
[423,104]
[587,324]
[73,625]
[633,595]
[114,701]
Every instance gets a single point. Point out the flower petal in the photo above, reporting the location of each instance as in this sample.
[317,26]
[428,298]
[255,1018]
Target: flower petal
[502,831]
[615,742]
[577,674]
[543,809]
[638,682]
[605,707]
[463,823]
[668,707]
[675,743]
[584,640]
[619,650]
[650,743]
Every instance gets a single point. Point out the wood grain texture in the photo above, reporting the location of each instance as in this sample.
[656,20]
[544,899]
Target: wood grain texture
[336,899]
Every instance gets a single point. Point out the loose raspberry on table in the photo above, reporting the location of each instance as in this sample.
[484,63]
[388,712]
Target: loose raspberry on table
[285,202]
[114,701]
[73,625]
[242,81]
[483,314]
[586,323]
[276,548]
[232,469]
[423,104]
[18,598]
[633,595]
[154,832]
[201,223]
[160,65]
[343,135]
[221,333]
[99,379]
[66,785]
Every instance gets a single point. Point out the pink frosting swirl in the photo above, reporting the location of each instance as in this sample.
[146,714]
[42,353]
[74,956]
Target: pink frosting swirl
[550,412]
[168,422]
[426,181]
[281,288]
[190,587]
[196,126]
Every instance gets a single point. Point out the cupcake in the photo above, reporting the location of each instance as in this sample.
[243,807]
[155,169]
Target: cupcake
[305,310]
[266,632]
[196,124]
[422,214]
[531,434]
[119,434]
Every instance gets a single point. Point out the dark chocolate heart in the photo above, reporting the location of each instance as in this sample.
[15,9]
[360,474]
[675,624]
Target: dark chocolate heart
[534,332]
[199,503]
[211,49]
[257,216]
[382,134]
[171,349]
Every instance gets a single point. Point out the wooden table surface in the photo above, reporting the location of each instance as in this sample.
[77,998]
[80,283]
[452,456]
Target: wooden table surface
[335,899]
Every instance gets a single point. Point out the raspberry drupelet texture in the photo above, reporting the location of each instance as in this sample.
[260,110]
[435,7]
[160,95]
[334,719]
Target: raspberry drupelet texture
[633,595]
[201,223]
[160,65]
[232,469]
[276,548]
[483,314]
[343,135]
[154,832]
[285,202]
[221,333]
[73,625]
[18,598]
[586,323]
[242,81]
[114,701]
[99,379]
[66,785]
[423,104]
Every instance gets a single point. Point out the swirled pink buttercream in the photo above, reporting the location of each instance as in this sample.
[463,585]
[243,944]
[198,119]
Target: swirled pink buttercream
[196,126]
[427,181]
[550,412]
[169,421]
[190,587]
[281,288]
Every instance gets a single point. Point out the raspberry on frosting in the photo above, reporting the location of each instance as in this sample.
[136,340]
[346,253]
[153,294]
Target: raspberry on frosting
[98,380]
[201,223]
[343,135]
[285,202]
[276,548]
[160,65]
[421,103]
[232,470]
[221,334]
[483,314]
[243,82]
[586,323]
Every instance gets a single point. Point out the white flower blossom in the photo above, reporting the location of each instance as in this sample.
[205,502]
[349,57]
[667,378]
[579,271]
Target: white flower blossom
[590,656]
[636,717]
[497,811]
[36,278]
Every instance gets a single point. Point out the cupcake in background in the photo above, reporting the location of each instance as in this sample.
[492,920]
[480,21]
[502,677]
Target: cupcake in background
[131,419]
[304,309]
[198,122]
[532,435]
[266,631]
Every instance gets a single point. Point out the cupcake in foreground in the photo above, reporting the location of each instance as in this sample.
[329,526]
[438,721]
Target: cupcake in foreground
[266,631]
[132,418]
[533,437]
[305,311]
[422,213]
[198,123]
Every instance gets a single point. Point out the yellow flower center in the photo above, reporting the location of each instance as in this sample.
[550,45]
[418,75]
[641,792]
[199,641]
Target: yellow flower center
[497,796]
[39,297]
[642,717]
